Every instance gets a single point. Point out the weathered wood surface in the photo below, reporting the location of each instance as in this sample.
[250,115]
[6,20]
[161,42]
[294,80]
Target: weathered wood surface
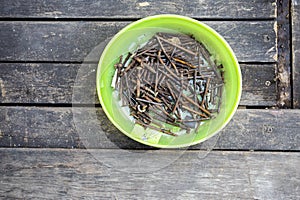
[73,41]
[40,55]
[284,55]
[53,83]
[259,85]
[76,174]
[296,52]
[136,9]
[63,127]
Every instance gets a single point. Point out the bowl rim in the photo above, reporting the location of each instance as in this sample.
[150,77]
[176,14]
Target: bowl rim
[203,25]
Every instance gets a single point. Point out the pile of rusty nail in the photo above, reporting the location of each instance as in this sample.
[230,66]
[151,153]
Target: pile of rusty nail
[170,82]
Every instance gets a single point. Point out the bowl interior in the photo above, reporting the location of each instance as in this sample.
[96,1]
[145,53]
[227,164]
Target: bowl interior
[135,36]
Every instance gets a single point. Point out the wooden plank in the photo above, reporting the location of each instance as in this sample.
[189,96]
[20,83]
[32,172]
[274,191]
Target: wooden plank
[73,41]
[259,86]
[296,52]
[63,127]
[136,9]
[53,83]
[284,55]
[38,83]
[76,174]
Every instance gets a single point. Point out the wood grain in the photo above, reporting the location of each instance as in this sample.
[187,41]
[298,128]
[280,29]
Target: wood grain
[295,6]
[54,83]
[63,127]
[76,174]
[73,41]
[136,9]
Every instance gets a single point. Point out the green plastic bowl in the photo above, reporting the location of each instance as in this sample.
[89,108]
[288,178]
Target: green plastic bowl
[134,36]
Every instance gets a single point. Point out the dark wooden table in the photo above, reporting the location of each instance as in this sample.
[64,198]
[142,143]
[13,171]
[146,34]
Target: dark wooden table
[44,44]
